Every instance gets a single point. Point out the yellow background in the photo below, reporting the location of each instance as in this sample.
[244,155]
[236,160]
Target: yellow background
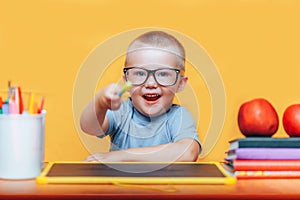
[255,45]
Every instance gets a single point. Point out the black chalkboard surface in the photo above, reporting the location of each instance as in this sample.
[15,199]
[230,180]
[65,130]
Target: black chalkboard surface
[135,172]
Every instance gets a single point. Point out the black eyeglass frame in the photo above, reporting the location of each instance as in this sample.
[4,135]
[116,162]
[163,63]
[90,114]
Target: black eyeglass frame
[181,72]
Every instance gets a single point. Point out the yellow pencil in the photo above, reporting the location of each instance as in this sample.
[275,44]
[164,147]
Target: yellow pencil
[31,103]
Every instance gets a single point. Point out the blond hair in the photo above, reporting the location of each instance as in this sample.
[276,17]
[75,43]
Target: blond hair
[158,40]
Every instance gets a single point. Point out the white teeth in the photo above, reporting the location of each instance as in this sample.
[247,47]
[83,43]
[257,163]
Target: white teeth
[151,95]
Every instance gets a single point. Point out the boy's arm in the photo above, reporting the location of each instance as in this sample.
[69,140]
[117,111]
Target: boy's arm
[93,118]
[183,150]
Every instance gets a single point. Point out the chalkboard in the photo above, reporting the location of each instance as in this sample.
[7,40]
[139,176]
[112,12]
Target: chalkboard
[139,173]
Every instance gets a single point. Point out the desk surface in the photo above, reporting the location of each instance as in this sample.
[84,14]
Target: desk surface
[250,189]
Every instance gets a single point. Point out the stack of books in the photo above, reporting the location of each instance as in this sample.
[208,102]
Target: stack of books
[264,157]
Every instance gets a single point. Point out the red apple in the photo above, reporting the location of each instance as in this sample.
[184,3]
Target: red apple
[291,120]
[258,118]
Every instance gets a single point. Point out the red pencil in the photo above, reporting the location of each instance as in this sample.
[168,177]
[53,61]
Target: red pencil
[41,105]
[1,102]
[21,106]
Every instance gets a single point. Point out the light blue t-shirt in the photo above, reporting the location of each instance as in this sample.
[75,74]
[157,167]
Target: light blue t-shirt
[128,128]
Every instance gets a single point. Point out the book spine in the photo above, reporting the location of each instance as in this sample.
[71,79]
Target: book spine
[263,142]
[266,174]
[270,144]
[268,153]
[269,165]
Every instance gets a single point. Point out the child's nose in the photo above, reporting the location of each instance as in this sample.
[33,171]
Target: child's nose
[150,82]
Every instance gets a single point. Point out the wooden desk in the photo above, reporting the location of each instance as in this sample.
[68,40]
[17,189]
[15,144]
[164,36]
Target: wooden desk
[250,189]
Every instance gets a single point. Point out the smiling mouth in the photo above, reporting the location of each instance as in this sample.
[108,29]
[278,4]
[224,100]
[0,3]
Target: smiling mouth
[151,97]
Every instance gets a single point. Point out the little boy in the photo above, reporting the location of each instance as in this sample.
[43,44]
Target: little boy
[147,126]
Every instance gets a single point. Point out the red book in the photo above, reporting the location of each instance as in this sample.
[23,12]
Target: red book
[266,174]
[266,165]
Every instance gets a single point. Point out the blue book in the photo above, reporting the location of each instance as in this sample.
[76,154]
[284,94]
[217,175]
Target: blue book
[265,142]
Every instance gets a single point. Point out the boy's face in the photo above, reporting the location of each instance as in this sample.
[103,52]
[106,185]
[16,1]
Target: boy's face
[151,98]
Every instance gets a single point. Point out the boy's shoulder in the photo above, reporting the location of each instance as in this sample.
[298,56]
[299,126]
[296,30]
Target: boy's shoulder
[179,111]
[177,107]
[126,107]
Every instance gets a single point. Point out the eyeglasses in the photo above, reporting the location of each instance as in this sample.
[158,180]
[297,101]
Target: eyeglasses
[163,76]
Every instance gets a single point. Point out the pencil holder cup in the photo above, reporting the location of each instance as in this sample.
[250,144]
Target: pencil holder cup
[21,145]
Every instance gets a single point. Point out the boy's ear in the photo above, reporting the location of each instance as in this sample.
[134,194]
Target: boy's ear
[182,83]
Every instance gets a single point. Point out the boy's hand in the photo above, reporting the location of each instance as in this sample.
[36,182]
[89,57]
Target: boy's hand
[93,118]
[108,97]
[97,157]
[103,157]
